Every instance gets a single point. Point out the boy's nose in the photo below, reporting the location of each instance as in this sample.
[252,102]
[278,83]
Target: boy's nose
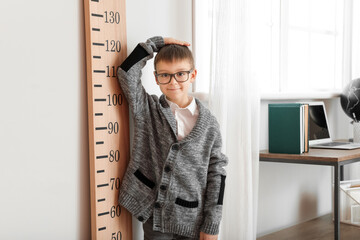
[172,80]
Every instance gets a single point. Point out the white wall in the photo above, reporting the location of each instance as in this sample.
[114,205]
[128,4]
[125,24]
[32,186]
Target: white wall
[44,174]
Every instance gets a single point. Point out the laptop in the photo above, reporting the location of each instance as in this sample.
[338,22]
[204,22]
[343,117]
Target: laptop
[319,133]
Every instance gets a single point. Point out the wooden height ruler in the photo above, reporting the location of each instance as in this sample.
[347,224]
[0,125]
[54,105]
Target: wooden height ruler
[108,117]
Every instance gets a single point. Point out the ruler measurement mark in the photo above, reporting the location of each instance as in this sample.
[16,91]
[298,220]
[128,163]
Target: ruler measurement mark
[98,114]
[97,85]
[100,99]
[95,29]
[97,57]
[101,200]
[99,71]
[95,0]
[101,128]
[97,15]
[102,228]
[103,185]
[100,171]
[102,156]
[100,142]
[98,44]
[103,213]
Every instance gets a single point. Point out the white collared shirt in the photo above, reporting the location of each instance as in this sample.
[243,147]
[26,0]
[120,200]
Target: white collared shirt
[185,117]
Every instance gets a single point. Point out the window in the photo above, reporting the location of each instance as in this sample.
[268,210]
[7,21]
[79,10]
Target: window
[355,39]
[310,38]
[298,46]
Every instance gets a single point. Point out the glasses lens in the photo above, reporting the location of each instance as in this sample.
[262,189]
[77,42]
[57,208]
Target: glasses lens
[163,78]
[182,76]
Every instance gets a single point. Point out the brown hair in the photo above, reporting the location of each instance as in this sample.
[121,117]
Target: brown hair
[173,52]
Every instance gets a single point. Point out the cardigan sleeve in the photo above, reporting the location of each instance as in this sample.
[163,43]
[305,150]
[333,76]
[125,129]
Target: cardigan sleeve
[130,72]
[215,188]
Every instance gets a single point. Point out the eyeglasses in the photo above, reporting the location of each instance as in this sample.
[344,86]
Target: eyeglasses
[165,78]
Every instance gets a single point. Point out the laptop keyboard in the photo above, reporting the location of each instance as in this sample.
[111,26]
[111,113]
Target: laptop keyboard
[334,144]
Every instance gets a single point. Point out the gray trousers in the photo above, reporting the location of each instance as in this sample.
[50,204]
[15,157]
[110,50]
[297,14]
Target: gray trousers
[150,234]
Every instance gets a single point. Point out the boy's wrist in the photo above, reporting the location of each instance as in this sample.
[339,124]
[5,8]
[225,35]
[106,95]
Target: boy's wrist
[158,42]
[205,236]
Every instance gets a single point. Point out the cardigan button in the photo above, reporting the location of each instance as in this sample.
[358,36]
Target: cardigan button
[157,205]
[163,187]
[175,147]
[140,218]
[167,169]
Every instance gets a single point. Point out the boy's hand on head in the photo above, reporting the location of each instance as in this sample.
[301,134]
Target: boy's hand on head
[204,236]
[168,40]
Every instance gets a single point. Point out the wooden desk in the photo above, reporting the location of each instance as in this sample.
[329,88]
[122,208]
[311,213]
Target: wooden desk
[327,157]
[321,228]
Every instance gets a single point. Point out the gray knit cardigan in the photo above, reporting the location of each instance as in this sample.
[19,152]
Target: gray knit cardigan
[180,183]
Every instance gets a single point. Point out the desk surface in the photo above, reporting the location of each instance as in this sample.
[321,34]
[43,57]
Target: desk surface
[318,155]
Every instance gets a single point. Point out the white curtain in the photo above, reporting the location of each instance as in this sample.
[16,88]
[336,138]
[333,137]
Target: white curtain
[234,99]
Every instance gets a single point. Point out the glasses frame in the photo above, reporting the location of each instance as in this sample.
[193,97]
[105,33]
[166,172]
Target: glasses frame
[173,75]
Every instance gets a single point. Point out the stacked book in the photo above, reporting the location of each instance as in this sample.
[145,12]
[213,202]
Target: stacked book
[289,128]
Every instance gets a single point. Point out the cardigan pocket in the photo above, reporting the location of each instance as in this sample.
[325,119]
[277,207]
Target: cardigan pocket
[186,204]
[142,178]
[184,212]
[139,186]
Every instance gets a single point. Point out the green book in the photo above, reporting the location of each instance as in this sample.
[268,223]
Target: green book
[285,128]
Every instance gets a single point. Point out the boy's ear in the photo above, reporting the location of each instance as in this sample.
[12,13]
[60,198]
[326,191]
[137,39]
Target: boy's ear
[193,75]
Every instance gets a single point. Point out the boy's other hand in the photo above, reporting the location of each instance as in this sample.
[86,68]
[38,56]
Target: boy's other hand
[204,236]
[168,40]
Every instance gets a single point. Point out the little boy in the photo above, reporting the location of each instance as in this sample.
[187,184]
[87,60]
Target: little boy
[175,179]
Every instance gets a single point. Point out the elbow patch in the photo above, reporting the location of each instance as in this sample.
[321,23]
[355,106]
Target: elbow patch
[135,56]
[222,190]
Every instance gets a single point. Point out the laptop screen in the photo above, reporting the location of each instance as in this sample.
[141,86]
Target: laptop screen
[318,127]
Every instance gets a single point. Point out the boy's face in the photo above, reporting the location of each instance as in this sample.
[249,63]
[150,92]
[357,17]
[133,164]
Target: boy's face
[176,92]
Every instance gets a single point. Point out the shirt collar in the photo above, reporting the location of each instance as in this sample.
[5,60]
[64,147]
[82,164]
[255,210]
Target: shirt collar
[191,107]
